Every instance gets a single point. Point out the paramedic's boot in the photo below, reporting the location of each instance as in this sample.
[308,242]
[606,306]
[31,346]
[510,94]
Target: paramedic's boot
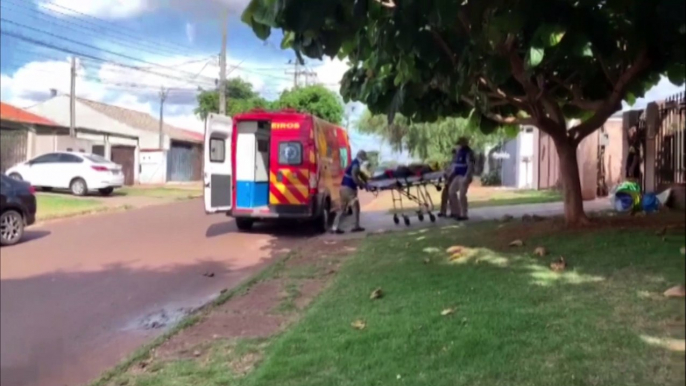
[357,229]
[337,231]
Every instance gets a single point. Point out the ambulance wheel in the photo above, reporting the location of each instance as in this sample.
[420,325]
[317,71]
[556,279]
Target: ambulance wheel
[322,222]
[396,220]
[420,217]
[244,224]
[407,220]
[432,217]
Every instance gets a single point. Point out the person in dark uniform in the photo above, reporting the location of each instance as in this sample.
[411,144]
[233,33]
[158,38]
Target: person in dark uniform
[352,180]
[633,160]
[461,179]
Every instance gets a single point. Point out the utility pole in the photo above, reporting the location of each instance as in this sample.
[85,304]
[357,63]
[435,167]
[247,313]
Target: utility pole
[222,66]
[297,72]
[163,97]
[72,99]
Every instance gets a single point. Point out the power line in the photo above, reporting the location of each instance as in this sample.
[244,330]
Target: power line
[92,57]
[136,43]
[101,25]
[94,47]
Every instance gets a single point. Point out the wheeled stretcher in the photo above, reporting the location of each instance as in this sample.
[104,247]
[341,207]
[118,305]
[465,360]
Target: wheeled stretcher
[402,188]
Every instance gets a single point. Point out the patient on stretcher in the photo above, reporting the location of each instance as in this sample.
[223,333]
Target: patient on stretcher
[402,171]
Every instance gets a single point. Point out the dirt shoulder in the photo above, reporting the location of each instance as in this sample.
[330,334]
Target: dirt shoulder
[240,322]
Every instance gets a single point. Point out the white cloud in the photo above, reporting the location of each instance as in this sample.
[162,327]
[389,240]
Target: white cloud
[190,32]
[122,9]
[661,91]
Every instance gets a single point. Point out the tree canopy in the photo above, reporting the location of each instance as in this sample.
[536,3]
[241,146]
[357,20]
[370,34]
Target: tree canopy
[241,98]
[430,141]
[538,62]
[316,100]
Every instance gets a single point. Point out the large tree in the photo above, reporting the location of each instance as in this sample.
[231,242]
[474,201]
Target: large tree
[316,100]
[240,98]
[430,141]
[537,62]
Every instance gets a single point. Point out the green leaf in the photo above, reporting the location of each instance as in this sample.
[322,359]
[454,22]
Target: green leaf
[548,35]
[535,57]
[676,73]
[287,41]
[630,98]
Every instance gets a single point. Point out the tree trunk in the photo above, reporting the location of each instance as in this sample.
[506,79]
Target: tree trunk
[571,183]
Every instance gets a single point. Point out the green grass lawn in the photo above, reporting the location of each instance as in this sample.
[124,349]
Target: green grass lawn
[511,321]
[55,206]
[160,192]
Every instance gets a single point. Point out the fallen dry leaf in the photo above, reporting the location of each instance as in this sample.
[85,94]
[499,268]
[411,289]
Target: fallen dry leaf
[447,311]
[208,274]
[517,243]
[559,265]
[455,249]
[540,251]
[456,256]
[676,292]
[376,294]
[358,324]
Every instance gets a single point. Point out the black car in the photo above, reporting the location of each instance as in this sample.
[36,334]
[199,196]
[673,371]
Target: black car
[17,209]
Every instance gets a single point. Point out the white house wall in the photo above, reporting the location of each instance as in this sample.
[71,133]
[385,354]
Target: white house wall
[153,167]
[57,109]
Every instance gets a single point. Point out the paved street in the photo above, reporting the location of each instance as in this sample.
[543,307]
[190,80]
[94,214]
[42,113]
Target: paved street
[81,294]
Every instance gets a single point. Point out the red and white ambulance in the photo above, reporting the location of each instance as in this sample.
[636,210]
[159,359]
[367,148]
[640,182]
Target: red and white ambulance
[274,165]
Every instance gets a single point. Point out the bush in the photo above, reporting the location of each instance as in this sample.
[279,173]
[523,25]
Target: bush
[492,178]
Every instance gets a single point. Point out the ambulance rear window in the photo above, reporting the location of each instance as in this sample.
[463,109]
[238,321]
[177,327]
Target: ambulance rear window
[217,150]
[290,153]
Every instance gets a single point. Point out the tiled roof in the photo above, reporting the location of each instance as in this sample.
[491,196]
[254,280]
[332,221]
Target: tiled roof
[140,120]
[16,114]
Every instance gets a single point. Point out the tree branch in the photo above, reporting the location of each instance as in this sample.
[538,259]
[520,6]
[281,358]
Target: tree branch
[444,46]
[614,102]
[577,98]
[606,70]
[499,118]
[499,93]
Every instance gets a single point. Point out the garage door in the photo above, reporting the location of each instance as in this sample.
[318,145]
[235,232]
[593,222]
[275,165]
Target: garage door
[125,156]
[182,162]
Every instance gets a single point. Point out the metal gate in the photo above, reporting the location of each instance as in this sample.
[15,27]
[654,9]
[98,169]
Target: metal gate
[670,142]
[180,161]
[13,148]
[126,157]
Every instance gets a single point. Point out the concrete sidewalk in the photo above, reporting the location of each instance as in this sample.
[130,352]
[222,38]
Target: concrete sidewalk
[382,221]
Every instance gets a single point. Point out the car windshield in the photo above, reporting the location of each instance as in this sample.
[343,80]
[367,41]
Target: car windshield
[97,159]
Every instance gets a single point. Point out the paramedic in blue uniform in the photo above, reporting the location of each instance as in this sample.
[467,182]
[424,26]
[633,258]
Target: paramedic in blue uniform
[461,178]
[352,180]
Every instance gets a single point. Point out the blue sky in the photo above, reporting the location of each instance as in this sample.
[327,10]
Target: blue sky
[128,49]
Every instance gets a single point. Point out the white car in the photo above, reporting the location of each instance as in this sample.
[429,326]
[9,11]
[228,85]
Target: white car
[78,172]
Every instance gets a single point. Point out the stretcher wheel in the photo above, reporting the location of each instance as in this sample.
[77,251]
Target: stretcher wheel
[439,188]
[396,220]
[407,220]
[420,217]
[432,217]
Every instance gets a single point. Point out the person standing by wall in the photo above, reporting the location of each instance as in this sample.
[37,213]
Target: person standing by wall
[448,179]
[633,160]
[461,179]
[352,180]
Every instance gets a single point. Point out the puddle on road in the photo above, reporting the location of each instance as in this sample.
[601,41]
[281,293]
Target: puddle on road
[159,320]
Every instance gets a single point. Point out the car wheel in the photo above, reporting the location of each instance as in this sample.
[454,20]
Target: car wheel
[106,191]
[11,227]
[78,187]
[244,224]
[16,176]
